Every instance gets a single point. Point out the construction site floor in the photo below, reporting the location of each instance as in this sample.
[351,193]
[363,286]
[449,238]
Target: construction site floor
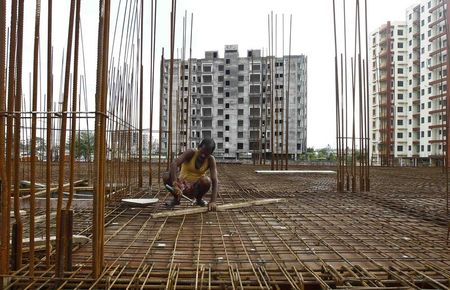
[393,237]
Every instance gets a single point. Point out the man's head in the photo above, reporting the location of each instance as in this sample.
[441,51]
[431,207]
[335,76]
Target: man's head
[207,146]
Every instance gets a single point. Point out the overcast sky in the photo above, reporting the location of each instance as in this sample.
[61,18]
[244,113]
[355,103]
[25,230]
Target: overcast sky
[221,22]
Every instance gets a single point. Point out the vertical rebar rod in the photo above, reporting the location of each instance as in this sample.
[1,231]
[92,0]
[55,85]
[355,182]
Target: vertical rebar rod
[447,126]
[100,139]
[345,180]
[283,97]
[48,164]
[172,51]
[74,107]
[367,102]
[62,145]
[161,98]
[183,73]
[152,84]
[277,112]
[189,101]
[17,105]
[272,164]
[388,97]
[336,72]
[141,94]
[261,107]
[33,135]
[4,187]
[287,94]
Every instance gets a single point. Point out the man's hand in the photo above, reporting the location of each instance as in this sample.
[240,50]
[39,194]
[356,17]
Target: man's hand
[212,206]
[177,192]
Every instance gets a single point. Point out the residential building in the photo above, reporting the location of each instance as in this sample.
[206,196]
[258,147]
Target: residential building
[229,99]
[417,118]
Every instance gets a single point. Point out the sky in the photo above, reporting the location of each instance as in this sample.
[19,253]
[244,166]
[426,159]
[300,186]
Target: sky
[216,24]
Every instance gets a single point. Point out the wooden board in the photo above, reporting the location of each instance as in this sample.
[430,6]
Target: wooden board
[221,207]
[295,171]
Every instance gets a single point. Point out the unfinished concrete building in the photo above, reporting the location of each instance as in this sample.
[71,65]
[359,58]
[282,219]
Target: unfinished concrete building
[229,99]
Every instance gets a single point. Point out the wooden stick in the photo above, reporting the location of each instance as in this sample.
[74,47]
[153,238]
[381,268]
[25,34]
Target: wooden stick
[222,207]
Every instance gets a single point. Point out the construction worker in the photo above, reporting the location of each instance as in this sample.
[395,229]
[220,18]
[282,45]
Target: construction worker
[192,181]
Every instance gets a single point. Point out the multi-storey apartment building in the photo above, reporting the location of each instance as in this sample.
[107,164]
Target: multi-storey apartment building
[229,99]
[417,118]
[388,92]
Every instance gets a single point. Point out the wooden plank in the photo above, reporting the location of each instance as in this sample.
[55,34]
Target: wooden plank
[295,171]
[221,207]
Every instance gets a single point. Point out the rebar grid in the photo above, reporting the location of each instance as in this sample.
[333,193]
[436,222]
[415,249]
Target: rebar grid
[317,238]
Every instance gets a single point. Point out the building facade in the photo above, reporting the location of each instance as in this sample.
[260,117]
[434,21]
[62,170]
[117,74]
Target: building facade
[388,93]
[418,107]
[229,98]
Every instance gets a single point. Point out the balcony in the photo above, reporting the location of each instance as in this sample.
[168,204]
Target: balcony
[437,111]
[437,81]
[436,126]
[436,22]
[437,6]
[436,141]
[437,96]
[433,67]
[437,36]
[438,51]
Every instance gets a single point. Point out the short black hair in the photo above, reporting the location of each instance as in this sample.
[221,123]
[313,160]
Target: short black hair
[208,143]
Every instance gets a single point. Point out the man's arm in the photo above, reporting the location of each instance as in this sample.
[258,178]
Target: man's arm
[213,174]
[186,156]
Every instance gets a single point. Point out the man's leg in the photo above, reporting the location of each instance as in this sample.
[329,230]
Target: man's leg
[202,186]
[166,178]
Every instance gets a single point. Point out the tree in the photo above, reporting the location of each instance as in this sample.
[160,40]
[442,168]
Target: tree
[84,145]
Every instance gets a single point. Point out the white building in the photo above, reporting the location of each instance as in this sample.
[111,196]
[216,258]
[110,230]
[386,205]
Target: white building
[418,107]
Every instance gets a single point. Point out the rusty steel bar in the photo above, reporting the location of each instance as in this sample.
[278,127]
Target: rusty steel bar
[100,144]
[68,245]
[141,95]
[62,145]
[172,51]
[18,109]
[183,73]
[48,168]
[161,95]
[189,101]
[287,95]
[4,187]
[152,85]
[336,73]
[33,136]
[447,126]
[367,120]
[74,107]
